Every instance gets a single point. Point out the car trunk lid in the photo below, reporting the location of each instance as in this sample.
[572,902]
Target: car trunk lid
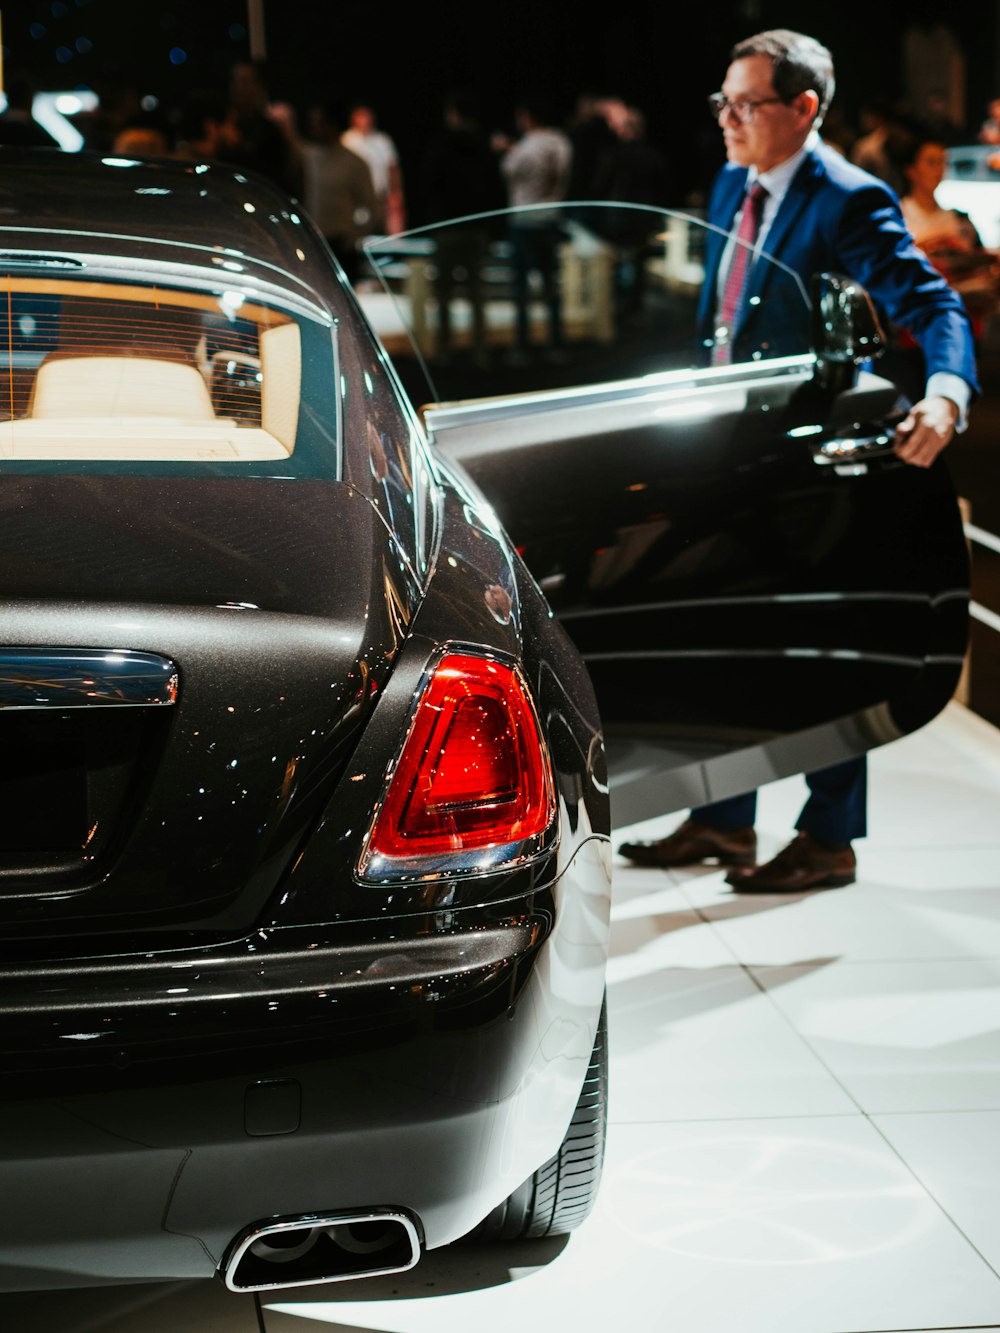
[279,608]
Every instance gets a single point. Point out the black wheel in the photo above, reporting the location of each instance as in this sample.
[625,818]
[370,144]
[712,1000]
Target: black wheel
[560,1194]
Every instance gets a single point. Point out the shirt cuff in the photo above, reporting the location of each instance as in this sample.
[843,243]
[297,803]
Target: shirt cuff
[943,384]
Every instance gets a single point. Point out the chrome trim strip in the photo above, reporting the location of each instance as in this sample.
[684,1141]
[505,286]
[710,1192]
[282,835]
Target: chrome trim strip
[380,869]
[272,967]
[85,678]
[744,654]
[311,1221]
[439,417]
[147,267]
[32,259]
[769,599]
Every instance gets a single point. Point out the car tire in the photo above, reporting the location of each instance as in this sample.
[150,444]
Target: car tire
[560,1194]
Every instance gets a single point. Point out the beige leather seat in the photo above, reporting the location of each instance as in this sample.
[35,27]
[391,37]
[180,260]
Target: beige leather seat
[120,386]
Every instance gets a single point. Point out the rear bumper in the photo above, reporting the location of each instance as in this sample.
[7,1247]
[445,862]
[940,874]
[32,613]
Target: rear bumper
[155,1107]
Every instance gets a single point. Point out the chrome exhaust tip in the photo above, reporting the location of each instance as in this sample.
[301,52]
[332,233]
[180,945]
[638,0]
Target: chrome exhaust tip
[311,1248]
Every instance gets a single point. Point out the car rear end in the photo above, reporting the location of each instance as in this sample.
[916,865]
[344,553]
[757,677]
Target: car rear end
[303,862]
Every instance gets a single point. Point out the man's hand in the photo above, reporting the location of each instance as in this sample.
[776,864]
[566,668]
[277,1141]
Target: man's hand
[925,430]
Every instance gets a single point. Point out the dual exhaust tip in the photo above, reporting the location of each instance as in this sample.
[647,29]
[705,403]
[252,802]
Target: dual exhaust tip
[321,1247]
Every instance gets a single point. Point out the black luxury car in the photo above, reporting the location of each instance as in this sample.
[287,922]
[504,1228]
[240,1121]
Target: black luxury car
[304,844]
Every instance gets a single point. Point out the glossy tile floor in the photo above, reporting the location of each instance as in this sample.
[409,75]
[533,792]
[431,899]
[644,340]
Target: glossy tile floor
[805,1113]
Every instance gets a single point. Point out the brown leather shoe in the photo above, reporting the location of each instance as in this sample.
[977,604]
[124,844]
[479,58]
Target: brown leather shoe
[692,843]
[804,864]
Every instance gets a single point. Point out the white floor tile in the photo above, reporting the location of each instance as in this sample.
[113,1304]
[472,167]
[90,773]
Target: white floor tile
[707,1044]
[654,927]
[952,872]
[938,787]
[931,807]
[927,906]
[957,741]
[900,1036]
[793,1227]
[956,1157]
[162,1307]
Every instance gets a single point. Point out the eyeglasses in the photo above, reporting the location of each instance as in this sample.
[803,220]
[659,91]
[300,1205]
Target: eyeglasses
[741,109]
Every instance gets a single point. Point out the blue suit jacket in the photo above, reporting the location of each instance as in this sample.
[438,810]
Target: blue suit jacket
[836,218]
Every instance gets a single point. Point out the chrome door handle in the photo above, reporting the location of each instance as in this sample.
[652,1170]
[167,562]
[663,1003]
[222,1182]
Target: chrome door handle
[853,448]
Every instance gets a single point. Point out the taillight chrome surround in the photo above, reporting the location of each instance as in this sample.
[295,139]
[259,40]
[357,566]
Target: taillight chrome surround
[378,866]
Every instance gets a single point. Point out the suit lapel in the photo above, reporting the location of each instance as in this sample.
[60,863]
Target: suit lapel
[796,198]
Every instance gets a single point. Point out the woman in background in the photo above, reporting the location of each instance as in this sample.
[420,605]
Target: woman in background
[950,242]
[945,235]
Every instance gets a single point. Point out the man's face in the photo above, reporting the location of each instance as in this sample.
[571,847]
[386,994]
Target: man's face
[363,119]
[775,130]
[245,89]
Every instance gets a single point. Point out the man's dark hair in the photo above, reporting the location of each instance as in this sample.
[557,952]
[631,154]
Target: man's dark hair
[799,63]
[538,105]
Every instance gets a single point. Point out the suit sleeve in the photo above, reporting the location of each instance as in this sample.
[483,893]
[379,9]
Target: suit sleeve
[875,247]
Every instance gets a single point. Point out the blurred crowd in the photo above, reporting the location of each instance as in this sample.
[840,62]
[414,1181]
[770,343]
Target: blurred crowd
[344,165]
[462,168]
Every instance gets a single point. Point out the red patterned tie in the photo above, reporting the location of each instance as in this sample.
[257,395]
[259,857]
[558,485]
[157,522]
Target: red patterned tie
[753,211]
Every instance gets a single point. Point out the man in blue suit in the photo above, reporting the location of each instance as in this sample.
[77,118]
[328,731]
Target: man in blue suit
[786,194]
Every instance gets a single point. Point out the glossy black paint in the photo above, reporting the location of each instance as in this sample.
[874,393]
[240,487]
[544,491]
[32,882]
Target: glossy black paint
[205,1017]
[741,601]
[242,584]
[396,1051]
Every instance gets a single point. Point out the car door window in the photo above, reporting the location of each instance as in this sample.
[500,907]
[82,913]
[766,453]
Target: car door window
[532,299]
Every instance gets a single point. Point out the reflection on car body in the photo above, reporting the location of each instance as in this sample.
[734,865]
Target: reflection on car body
[305,864]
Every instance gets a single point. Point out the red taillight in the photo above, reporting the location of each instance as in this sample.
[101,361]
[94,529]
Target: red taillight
[473,773]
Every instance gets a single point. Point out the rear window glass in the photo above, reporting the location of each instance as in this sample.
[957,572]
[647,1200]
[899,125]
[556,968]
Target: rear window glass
[95,372]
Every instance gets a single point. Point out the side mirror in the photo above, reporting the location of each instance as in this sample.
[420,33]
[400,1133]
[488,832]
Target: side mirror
[845,330]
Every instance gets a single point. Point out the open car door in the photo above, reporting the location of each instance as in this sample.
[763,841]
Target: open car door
[757,584]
